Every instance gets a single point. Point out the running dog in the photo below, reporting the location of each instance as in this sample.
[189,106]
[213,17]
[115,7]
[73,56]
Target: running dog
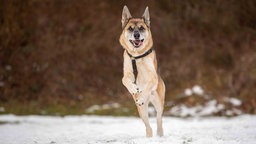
[140,67]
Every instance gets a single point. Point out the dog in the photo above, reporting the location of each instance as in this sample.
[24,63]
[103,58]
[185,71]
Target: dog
[140,74]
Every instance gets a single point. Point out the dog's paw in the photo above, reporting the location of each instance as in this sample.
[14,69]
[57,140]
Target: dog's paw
[135,89]
[139,102]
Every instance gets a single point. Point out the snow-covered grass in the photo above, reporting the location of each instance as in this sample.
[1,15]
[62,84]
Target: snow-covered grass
[195,101]
[207,109]
[125,130]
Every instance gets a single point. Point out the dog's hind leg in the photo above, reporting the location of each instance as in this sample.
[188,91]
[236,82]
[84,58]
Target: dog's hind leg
[159,110]
[158,102]
[143,112]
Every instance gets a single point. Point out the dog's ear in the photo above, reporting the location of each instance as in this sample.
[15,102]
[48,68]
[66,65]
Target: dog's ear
[146,17]
[126,15]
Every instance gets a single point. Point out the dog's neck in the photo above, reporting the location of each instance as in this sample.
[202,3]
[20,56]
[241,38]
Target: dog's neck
[140,56]
[137,52]
[133,60]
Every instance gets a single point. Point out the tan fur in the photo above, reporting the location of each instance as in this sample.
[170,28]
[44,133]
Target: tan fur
[149,81]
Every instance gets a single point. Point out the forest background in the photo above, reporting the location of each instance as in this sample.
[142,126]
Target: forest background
[62,57]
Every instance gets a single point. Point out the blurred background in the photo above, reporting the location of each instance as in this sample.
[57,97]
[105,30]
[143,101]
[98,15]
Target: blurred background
[61,57]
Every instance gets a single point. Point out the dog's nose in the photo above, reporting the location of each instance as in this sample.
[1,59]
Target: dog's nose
[136,35]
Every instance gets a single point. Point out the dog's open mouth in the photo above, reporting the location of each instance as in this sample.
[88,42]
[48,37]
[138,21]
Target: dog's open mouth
[137,43]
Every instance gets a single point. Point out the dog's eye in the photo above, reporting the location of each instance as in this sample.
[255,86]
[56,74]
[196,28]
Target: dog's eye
[130,29]
[141,28]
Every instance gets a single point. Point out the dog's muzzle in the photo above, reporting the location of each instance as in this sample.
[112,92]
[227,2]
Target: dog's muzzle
[137,42]
[136,35]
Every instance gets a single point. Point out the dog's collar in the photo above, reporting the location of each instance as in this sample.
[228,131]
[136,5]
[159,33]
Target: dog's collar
[134,66]
[140,56]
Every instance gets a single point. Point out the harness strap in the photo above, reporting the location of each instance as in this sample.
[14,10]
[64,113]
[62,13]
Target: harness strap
[135,70]
[134,66]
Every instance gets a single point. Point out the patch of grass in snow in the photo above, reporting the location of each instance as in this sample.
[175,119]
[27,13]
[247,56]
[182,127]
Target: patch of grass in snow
[6,122]
[2,122]
[78,107]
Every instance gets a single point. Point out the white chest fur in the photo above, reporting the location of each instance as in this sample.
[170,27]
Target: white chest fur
[146,69]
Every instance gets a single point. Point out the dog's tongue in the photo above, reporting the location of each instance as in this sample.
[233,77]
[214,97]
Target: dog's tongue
[137,42]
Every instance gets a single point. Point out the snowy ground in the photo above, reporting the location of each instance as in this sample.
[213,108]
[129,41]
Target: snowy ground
[127,130]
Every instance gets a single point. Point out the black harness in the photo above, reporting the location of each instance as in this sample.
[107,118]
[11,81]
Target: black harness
[134,66]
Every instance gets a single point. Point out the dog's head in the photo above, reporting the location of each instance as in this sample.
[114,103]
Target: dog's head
[136,36]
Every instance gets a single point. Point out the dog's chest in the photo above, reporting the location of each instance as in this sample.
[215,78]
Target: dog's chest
[145,67]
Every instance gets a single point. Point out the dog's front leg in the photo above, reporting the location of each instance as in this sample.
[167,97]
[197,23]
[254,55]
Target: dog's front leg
[144,95]
[130,85]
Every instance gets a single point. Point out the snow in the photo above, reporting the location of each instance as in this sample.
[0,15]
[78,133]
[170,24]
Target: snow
[198,90]
[208,109]
[233,101]
[227,106]
[188,92]
[95,108]
[125,130]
